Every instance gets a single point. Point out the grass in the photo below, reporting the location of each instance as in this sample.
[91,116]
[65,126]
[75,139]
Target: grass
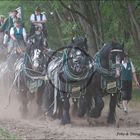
[6,135]
[136,94]
[135,101]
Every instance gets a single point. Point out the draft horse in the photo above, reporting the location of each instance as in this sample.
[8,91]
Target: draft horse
[30,78]
[105,81]
[67,78]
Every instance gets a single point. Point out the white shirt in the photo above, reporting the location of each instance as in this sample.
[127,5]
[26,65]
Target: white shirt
[32,17]
[132,66]
[23,32]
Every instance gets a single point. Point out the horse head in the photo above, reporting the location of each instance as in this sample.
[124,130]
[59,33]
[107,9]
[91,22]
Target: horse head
[36,60]
[76,56]
[111,56]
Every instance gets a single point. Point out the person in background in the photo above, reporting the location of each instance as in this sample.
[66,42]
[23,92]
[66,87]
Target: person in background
[2,20]
[128,73]
[38,20]
[7,26]
[18,36]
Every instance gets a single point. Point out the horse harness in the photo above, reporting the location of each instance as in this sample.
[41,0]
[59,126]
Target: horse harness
[109,84]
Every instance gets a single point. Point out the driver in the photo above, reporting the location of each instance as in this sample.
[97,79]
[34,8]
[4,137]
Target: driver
[38,19]
[38,40]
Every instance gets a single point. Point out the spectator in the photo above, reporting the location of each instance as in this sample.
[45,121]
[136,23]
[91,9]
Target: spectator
[8,24]
[127,74]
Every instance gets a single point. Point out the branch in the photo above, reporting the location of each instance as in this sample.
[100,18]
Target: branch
[137,6]
[75,11]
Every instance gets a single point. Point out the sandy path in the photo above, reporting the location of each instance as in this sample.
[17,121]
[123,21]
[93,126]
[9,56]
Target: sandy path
[127,127]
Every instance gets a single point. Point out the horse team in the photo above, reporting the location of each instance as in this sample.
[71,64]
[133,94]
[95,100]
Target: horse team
[55,78]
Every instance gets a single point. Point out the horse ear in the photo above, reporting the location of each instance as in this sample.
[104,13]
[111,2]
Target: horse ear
[85,40]
[72,39]
[122,45]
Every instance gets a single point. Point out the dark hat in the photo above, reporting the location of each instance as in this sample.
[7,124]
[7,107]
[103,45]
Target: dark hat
[37,9]
[15,11]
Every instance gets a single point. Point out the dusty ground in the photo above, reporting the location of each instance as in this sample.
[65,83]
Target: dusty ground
[127,126]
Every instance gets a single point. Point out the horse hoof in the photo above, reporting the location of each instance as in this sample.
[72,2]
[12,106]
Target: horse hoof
[65,121]
[80,114]
[94,114]
[111,121]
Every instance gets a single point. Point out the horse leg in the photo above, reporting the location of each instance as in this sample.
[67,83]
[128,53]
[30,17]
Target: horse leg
[59,108]
[39,99]
[75,106]
[24,103]
[48,99]
[99,104]
[112,107]
[66,107]
[82,106]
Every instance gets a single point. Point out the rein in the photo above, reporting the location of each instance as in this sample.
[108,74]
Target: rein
[99,68]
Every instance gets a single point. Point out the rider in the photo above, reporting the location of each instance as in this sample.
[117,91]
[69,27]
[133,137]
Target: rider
[8,24]
[18,35]
[38,19]
[37,40]
[2,20]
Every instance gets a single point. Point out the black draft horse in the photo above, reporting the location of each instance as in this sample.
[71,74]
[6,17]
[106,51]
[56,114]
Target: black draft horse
[30,77]
[65,74]
[104,81]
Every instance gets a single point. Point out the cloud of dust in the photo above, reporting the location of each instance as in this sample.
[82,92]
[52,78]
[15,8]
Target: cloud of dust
[12,111]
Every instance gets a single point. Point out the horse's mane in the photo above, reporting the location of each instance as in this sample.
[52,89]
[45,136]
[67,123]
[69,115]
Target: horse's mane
[78,42]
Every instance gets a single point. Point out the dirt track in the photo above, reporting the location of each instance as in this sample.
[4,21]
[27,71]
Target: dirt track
[127,127]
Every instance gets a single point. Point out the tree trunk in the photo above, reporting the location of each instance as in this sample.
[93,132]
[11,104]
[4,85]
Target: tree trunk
[135,26]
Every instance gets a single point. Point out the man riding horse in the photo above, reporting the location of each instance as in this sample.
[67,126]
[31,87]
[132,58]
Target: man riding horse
[38,19]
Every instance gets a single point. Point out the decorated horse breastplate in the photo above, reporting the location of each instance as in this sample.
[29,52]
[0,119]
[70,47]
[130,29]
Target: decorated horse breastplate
[110,85]
[110,78]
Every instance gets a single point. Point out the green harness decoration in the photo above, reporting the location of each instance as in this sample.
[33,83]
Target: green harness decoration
[108,83]
[33,85]
[72,76]
[74,90]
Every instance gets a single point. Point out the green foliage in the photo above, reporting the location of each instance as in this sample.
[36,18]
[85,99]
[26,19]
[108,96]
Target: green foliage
[136,94]
[6,6]
[6,135]
[115,20]
[70,29]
